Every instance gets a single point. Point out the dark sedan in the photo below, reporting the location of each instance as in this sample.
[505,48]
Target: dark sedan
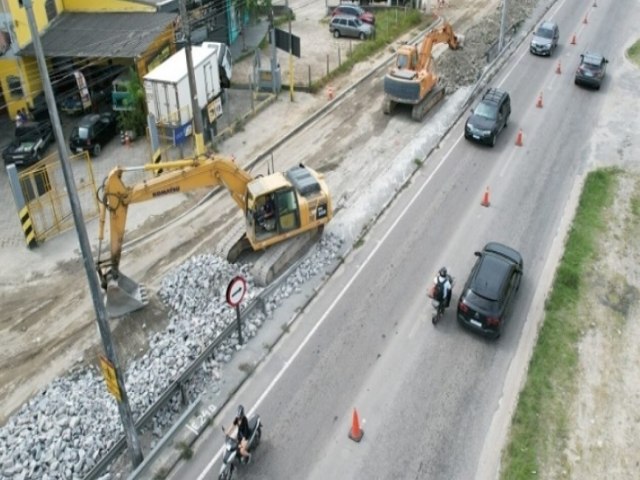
[92,132]
[591,71]
[489,291]
[29,145]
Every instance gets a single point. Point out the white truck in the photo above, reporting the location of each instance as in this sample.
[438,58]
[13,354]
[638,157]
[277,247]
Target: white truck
[167,90]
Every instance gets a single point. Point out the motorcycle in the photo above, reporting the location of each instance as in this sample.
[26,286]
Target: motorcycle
[437,305]
[232,458]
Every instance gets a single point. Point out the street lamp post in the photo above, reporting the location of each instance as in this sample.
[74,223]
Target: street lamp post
[503,25]
[94,284]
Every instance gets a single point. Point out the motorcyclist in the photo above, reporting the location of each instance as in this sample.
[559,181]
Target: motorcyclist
[243,432]
[444,283]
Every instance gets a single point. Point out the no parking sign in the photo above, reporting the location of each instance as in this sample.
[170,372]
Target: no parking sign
[236,291]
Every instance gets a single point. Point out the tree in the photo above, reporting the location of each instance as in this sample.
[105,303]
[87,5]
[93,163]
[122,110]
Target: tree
[134,118]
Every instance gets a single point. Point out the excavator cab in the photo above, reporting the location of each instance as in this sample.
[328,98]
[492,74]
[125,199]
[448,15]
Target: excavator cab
[273,214]
[407,58]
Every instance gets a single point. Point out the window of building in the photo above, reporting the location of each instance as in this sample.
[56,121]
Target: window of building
[50,9]
[15,86]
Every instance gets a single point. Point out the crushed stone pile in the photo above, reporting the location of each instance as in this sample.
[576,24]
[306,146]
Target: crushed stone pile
[463,67]
[65,429]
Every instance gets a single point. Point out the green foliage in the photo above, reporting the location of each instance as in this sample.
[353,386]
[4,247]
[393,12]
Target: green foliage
[539,424]
[634,53]
[254,7]
[136,118]
[185,450]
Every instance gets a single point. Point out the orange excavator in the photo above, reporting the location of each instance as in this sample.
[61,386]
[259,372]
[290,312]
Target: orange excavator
[413,80]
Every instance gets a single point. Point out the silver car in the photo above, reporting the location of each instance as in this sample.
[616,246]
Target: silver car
[344,26]
[545,39]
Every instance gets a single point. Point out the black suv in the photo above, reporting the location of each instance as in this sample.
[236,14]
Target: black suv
[490,288]
[92,132]
[31,142]
[489,117]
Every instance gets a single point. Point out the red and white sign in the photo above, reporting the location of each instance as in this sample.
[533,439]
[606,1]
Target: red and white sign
[236,291]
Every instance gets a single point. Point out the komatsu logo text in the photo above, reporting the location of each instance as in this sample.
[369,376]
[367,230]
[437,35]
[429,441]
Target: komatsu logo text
[165,192]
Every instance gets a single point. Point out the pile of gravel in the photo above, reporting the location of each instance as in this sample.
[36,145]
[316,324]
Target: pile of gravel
[463,67]
[64,430]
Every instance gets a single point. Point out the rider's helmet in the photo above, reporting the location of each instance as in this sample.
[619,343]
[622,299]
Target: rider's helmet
[443,272]
[240,412]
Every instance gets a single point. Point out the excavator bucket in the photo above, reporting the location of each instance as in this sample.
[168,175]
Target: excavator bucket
[125,296]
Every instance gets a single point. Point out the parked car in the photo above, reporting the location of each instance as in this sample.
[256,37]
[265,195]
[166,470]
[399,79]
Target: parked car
[343,26]
[351,10]
[545,39]
[489,291]
[591,70]
[489,117]
[72,105]
[92,132]
[30,144]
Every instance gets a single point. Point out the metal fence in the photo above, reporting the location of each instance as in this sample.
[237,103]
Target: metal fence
[45,194]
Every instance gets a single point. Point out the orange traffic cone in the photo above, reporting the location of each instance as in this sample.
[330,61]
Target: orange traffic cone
[584,20]
[356,432]
[539,102]
[485,198]
[573,39]
[519,138]
[558,68]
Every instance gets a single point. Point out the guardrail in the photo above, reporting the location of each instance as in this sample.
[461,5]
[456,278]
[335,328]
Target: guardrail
[178,385]
[148,461]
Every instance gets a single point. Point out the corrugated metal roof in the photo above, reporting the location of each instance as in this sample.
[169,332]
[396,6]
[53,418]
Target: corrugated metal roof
[124,35]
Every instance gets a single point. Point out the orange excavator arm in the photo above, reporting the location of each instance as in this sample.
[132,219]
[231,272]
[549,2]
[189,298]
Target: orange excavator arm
[444,34]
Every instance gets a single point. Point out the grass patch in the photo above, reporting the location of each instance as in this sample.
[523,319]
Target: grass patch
[390,24]
[634,53]
[185,450]
[160,474]
[539,425]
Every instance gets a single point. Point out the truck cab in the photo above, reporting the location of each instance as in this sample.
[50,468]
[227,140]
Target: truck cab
[225,63]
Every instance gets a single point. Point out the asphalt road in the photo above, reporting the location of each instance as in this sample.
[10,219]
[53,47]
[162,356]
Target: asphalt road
[428,398]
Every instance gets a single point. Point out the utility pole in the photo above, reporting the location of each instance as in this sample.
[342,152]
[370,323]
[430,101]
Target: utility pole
[290,53]
[124,408]
[274,58]
[503,25]
[193,91]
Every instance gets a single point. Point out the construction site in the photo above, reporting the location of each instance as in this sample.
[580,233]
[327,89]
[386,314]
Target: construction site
[330,151]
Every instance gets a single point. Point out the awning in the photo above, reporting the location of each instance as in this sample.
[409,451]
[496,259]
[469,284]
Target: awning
[110,35]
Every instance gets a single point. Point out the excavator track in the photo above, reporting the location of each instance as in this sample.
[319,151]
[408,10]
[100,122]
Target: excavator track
[387,105]
[233,244]
[430,100]
[275,259]
[268,263]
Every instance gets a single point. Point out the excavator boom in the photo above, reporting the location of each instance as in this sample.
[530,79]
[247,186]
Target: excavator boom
[298,201]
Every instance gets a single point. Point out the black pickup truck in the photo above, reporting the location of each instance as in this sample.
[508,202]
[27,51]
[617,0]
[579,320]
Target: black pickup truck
[29,145]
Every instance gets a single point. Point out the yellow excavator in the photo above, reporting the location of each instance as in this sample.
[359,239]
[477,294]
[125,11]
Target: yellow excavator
[277,206]
[413,80]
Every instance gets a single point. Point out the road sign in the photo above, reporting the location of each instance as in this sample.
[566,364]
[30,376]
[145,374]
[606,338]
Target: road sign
[236,291]
[109,373]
